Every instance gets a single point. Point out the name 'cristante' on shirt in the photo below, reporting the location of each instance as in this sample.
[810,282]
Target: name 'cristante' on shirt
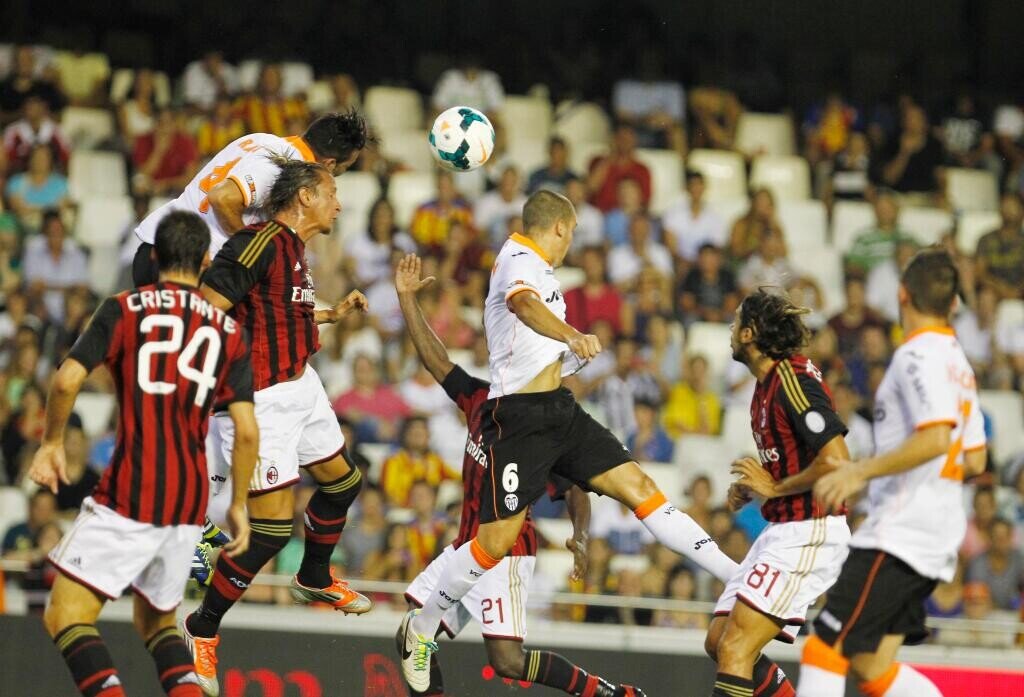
[171,299]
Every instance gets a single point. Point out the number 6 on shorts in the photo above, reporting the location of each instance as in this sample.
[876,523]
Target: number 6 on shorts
[510,477]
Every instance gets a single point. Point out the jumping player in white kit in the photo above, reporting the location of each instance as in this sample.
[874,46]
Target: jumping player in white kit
[929,435]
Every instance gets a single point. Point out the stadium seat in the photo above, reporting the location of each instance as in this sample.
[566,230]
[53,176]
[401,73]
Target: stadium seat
[527,154]
[357,190]
[407,191]
[666,177]
[1009,317]
[526,118]
[247,73]
[1006,409]
[725,174]
[972,226]
[93,173]
[555,530]
[668,477]
[13,507]
[582,154]
[711,339]
[584,122]
[296,78]
[927,225]
[736,425]
[101,219]
[805,224]
[765,134]
[850,218]
[556,565]
[972,189]
[569,277]
[320,96]
[706,455]
[730,210]
[629,562]
[393,109]
[87,128]
[824,265]
[103,275]
[95,410]
[787,176]
[410,147]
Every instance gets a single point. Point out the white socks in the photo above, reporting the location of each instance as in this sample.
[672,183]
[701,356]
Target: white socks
[466,566]
[680,533]
[900,681]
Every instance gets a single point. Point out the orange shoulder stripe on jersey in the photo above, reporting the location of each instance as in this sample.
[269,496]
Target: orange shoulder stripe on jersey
[791,385]
[255,248]
[517,291]
[300,144]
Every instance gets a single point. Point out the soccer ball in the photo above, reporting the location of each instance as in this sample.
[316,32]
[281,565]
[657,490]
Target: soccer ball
[461,139]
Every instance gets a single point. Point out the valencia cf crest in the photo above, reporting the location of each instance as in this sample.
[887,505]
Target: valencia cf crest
[511,502]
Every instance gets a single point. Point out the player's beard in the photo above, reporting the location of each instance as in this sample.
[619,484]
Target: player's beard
[739,355]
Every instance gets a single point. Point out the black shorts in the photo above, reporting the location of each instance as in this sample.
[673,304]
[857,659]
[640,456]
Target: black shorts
[876,594]
[144,268]
[527,437]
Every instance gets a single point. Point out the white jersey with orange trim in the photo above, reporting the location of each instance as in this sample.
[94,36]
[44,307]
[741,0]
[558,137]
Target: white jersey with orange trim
[244,162]
[519,354]
[918,515]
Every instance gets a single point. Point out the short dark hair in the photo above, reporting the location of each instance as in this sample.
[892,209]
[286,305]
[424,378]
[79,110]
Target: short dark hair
[338,135]
[933,281]
[181,241]
[556,140]
[775,321]
[49,215]
[545,208]
[708,247]
[693,174]
[292,177]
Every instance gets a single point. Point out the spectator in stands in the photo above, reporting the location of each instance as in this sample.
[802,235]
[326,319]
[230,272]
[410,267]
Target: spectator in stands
[873,349]
[267,109]
[41,573]
[690,224]
[20,539]
[708,292]
[965,139]
[716,111]
[413,462]
[626,261]
[10,254]
[222,127]
[556,174]
[466,255]
[24,428]
[596,299]
[979,524]
[375,408]
[36,127]
[344,94]
[616,392]
[648,441]
[698,494]
[393,561]
[25,83]
[828,127]
[977,606]
[82,77]
[860,439]
[854,318]
[1000,567]
[365,533]
[629,204]
[748,231]
[166,159]
[947,600]
[975,330]
[589,221]
[883,281]
[736,544]
[682,585]
[910,163]
[692,406]
[82,479]
[427,529]
[850,179]
[53,265]
[207,79]
[1000,254]
[38,189]
[877,244]
[493,209]
[432,221]
[663,348]
[614,523]
[621,163]
[136,115]
[768,266]
[368,253]
[469,84]
[654,105]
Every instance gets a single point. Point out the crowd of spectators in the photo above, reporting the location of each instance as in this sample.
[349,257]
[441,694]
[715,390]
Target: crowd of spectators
[645,280]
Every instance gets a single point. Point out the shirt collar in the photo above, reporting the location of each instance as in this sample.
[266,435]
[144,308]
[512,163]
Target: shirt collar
[527,242]
[300,144]
[947,330]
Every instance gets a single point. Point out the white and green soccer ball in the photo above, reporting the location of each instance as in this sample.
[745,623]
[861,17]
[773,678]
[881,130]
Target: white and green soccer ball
[461,139]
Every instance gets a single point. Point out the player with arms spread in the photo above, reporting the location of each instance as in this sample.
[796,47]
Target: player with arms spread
[498,602]
[173,357]
[261,277]
[797,557]
[929,435]
[532,426]
[232,188]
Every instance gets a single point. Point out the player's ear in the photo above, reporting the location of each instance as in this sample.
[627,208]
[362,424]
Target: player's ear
[902,295]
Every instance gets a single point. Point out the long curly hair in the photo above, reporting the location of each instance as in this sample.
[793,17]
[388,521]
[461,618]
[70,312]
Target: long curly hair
[779,331]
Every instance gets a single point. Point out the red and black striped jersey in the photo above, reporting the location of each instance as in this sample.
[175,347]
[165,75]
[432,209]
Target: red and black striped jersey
[262,270]
[173,356]
[469,394]
[792,417]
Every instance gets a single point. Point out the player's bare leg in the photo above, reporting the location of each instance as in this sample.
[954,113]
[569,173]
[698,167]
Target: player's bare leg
[174,664]
[338,484]
[769,678]
[738,648]
[631,486]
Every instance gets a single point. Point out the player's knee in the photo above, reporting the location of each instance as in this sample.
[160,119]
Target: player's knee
[508,662]
[54,618]
[732,646]
[342,492]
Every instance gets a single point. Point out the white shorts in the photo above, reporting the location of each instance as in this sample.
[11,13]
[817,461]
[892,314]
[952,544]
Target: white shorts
[107,552]
[497,602]
[788,567]
[298,428]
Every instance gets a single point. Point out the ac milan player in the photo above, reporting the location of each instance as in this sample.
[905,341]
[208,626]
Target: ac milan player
[498,601]
[799,554]
[261,276]
[173,357]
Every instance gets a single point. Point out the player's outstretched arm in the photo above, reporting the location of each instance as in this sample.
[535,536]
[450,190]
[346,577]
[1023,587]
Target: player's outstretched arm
[430,349]
[228,203]
[578,503]
[243,462]
[49,465]
[355,301]
[756,478]
[532,312]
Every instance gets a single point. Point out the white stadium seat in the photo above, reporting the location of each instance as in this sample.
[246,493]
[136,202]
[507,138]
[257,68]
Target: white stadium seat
[248,74]
[87,128]
[393,108]
[526,118]
[555,530]
[765,134]
[824,265]
[972,226]
[805,224]
[710,456]
[787,176]
[972,189]
[320,96]
[555,565]
[407,191]
[666,169]
[95,410]
[101,219]
[410,147]
[527,154]
[583,123]
[927,225]
[1009,317]
[711,339]
[13,507]
[849,218]
[357,192]
[96,174]
[570,277]
[296,78]
[730,210]
[736,426]
[725,174]
[1006,409]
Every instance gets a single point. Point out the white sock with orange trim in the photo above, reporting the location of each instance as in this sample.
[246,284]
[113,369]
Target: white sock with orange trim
[466,566]
[822,670]
[900,681]
[680,533]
